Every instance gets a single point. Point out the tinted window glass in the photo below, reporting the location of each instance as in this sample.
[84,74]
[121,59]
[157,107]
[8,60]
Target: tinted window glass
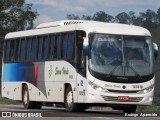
[33,51]
[51,47]
[70,50]
[45,47]
[12,50]
[17,47]
[22,52]
[28,48]
[58,40]
[7,50]
[40,43]
[64,46]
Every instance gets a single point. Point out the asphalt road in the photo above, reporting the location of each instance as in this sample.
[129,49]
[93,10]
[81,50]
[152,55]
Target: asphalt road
[46,113]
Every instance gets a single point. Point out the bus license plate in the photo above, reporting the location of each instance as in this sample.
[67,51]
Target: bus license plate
[123,98]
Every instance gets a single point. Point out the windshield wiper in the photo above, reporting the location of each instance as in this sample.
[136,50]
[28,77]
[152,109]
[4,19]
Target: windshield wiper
[114,69]
[134,70]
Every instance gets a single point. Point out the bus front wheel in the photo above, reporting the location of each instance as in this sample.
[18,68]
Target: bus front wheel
[69,100]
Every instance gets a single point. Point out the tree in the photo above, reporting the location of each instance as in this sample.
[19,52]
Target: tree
[149,19]
[122,18]
[72,17]
[158,16]
[132,17]
[16,15]
[103,17]
[84,17]
[138,21]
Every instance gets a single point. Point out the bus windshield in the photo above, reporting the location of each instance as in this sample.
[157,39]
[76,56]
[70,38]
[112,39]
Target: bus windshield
[120,55]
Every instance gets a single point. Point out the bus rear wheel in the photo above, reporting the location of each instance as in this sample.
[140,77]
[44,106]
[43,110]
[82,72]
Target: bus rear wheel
[25,98]
[27,103]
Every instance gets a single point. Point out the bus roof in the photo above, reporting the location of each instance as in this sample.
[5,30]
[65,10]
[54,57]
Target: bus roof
[88,26]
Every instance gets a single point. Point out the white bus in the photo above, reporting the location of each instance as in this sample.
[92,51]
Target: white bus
[79,64]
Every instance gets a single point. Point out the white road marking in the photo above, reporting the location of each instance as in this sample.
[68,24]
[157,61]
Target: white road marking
[108,118]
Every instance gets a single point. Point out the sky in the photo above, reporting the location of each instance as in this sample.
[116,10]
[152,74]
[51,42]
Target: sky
[54,10]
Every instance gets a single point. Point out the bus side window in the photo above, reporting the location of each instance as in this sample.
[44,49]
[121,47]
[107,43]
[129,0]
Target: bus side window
[17,49]
[12,56]
[40,43]
[22,51]
[64,45]
[58,49]
[71,44]
[33,49]
[29,40]
[7,50]
[45,47]
[52,47]
[80,58]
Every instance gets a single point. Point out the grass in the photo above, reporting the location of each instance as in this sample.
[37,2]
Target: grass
[148,108]
[8,101]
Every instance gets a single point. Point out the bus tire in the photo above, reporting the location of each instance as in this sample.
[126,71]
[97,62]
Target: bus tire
[69,101]
[129,110]
[25,98]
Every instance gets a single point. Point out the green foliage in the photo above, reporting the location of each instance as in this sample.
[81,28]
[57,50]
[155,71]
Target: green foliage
[72,17]
[15,15]
[123,18]
[102,16]
[148,19]
[156,35]
[148,108]
[8,101]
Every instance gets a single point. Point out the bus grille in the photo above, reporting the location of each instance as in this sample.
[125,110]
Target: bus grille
[115,99]
[118,91]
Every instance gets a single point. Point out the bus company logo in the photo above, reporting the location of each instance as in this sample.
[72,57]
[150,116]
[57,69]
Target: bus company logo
[124,87]
[50,71]
[61,71]
[6,114]
[20,114]
[105,39]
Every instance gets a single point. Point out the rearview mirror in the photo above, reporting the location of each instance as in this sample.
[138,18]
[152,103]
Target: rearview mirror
[85,46]
[155,48]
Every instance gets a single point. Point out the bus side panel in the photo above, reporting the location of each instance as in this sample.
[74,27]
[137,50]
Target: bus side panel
[14,74]
[56,75]
[17,91]
[51,91]
[82,88]
[8,90]
[18,72]
[45,80]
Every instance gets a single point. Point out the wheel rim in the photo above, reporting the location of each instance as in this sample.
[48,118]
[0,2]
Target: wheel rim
[70,99]
[25,97]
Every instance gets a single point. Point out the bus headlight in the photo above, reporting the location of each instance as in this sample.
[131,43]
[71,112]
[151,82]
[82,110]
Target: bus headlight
[96,87]
[148,89]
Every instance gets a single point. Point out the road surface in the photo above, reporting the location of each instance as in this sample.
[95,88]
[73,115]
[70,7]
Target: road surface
[52,113]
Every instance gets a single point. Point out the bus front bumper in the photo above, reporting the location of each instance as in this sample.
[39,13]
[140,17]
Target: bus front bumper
[95,96]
